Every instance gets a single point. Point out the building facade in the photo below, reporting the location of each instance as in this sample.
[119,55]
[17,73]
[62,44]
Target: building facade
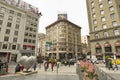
[41,44]
[18,29]
[63,39]
[86,46]
[104,25]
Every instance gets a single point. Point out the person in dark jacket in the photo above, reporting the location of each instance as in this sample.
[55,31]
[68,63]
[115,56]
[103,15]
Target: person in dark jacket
[17,68]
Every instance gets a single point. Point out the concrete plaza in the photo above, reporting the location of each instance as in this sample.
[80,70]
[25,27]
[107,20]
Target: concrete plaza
[63,73]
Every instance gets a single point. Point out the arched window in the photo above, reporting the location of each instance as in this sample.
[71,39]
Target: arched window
[107,47]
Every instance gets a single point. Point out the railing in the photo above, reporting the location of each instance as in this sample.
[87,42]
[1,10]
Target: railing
[78,71]
[103,75]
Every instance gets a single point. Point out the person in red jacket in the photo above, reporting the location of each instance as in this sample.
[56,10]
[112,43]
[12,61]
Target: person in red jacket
[21,67]
[52,65]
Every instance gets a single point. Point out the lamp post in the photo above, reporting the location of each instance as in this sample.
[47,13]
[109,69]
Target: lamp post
[76,55]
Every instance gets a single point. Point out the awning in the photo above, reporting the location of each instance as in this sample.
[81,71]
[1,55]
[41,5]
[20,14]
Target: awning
[117,53]
[98,54]
[107,44]
[117,43]
[27,51]
[97,45]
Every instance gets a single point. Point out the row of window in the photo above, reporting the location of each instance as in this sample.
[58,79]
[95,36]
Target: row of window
[31,29]
[112,16]
[6,38]
[30,35]
[32,18]
[28,48]
[104,26]
[9,24]
[8,46]
[107,49]
[3,9]
[106,34]
[16,47]
[64,49]
[111,8]
[100,5]
[29,40]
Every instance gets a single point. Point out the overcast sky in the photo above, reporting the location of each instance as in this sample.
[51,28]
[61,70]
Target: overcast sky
[75,9]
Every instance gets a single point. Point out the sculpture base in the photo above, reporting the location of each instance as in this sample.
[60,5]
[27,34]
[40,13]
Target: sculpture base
[26,72]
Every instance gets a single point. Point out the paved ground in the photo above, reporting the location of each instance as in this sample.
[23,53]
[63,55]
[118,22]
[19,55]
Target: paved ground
[64,73]
[115,74]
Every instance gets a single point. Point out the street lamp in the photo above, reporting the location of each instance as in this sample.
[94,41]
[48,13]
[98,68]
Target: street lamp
[76,55]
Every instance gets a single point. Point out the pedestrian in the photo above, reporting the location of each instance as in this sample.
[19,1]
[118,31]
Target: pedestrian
[34,66]
[52,65]
[110,65]
[17,68]
[45,65]
[115,65]
[21,67]
[58,64]
[69,63]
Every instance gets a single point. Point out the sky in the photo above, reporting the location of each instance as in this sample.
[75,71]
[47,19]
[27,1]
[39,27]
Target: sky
[76,11]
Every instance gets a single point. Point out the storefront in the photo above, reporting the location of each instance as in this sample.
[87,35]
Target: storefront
[5,56]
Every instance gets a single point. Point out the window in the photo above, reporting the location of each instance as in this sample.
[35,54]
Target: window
[13,47]
[108,49]
[19,14]
[94,15]
[10,18]
[102,12]
[6,38]
[95,28]
[26,34]
[25,40]
[103,19]
[112,15]
[17,26]
[11,11]
[1,21]
[3,9]
[99,0]
[109,1]
[33,41]
[14,39]
[7,31]
[4,46]
[100,5]
[96,36]
[98,50]
[92,3]
[105,34]
[114,23]
[18,20]
[16,33]
[94,22]
[9,24]
[116,32]
[29,40]
[104,26]
[111,8]
[117,48]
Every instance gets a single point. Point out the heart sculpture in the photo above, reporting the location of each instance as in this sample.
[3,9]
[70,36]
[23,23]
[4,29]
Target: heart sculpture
[27,62]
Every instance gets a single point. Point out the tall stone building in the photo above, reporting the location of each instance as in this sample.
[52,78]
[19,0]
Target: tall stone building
[63,38]
[18,29]
[104,25]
